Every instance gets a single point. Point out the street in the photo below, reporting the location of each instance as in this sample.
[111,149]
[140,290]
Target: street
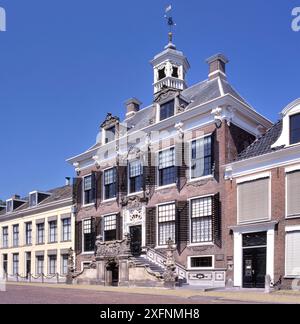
[19,294]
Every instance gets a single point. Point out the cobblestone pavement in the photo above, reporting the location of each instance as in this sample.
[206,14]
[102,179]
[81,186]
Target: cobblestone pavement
[22,294]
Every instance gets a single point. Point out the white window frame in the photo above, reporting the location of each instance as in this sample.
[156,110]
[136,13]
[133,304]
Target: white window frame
[128,179]
[171,185]
[191,180]
[158,246]
[255,177]
[289,229]
[190,222]
[287,171]
[83,192]
[82,237]
[200,268]
[103,186]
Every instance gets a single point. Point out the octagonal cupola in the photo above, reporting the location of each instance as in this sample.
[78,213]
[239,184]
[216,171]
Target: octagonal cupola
[170,68]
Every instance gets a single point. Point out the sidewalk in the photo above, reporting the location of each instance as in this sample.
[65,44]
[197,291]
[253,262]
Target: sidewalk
[281,297]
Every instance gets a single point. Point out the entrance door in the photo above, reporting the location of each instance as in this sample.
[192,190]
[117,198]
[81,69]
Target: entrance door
[254,267]
[136,240]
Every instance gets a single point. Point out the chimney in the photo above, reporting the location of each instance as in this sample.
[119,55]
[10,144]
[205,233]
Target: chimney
[132,106]
[217,66]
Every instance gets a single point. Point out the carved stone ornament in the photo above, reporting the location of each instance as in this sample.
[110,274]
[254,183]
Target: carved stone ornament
[179,129]
[110,121]
[113,250]
[165,94]
[170,274]
[135,215]
[223,113]
[133,202]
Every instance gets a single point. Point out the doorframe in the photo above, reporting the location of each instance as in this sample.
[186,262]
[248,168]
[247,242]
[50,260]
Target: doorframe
[127,223]
[238,233]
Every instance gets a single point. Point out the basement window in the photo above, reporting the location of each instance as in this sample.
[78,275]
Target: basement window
[205,262]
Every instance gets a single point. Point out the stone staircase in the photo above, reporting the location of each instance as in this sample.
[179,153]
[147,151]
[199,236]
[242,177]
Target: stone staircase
[141,261]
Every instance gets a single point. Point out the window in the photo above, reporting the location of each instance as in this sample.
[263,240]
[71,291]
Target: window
[166,223]
[110,134]
[162,73]
[135,176]
[64,264]
[5,263]
[52,264]
[40,233]
[202,161]
[5,237]
[88,244]
[53,232]
[201,221]
[110,185]
[167,110]
[9,206]
[175,73]
[33,199]
[15,264]
[28,233]
[88,190]
[201,262]
[167,169]
[16,235]
[66,229]
[110,228]
[254,201]
[39,264]
[293,194]
[292,254]
[295,129]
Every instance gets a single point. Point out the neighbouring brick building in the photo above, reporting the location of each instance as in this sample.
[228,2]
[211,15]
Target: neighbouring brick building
[263,206]
[159,173]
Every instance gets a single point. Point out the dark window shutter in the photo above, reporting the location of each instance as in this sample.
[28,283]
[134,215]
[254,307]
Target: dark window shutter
[151,227]
[119,227]
[121,181]
[150,175]
[182,225]
[78,237]
[98,226]
[215,155]
[99,191]
[181,164]
[217,221]
[94,232]
[77,192]
[94,187]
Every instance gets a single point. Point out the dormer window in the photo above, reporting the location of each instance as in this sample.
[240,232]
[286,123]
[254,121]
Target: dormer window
[295,129]
[33,199]
[110,134]
[9,206]
[167,110]
[36,197]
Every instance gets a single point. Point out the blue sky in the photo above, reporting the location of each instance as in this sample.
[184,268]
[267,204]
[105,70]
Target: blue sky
[65,63]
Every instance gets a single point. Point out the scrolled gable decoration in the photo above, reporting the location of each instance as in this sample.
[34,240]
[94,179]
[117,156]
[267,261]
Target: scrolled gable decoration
[110,121]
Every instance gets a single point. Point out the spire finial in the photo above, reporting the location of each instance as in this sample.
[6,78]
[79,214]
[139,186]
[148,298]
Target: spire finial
[171,24]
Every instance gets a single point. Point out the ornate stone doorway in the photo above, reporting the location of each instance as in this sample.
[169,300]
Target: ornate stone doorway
[112,274]
[136,240]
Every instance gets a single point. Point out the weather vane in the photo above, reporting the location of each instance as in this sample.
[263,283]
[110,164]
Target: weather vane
[170,22]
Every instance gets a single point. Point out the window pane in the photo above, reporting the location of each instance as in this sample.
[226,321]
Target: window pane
[202,220]
[166,223]
[295,129]
[88,183]
[167,158]
[202,262]
[202,161]
[167,110]
[110,134]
